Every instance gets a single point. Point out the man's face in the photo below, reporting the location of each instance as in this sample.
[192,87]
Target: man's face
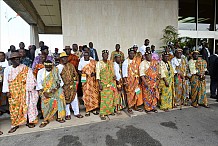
[68,51]
[178,54]
[131,54]
[48,68]
[135,48]
[64,60]
[15,61]
[148,57]
[146,43]
[22,52]
[148,49]
[167,49]
[45,51]
[41,44]
[195,56]
[165,58]
[90,45]
[42,58]
[86,56]
[21,45]
[105,56]
[75,48]
[117,47]
[12,48]
[2,57]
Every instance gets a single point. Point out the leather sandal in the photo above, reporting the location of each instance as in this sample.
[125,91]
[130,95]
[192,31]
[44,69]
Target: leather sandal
[79,116]
[103,117]
[12,130]
[87,114]
[1,132]
[95,112]
[43,124]
[68,117]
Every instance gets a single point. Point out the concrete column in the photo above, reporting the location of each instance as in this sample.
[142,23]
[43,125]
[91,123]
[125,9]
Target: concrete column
[34,35]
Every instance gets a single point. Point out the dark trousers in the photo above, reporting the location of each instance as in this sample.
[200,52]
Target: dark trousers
[213,87]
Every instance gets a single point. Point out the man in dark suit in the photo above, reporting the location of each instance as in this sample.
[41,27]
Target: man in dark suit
[213,71]
[93,52]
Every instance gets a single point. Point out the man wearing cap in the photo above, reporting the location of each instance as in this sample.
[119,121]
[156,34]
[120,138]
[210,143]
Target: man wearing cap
[130,70]
[19,81]
[49,85]
[87,70]
[73,59]
[119,80]
[107,85]
[180,72]
[45,51]
[166,86]
[70,79]
[150,74]
[197,67]
[117,51]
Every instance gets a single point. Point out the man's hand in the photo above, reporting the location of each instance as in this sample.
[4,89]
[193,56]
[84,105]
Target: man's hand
[100,87]
[8,94]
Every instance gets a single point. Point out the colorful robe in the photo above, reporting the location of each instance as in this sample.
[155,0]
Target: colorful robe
[179,83]
[109,94]
[150,93]
[115,53]
[166,93]
[56,102]
[37,68]
[74,60]
[133,97]
[198,85]
[90,87]
[69,76]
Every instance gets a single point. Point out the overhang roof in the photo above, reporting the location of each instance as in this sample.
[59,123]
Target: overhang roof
[45,14]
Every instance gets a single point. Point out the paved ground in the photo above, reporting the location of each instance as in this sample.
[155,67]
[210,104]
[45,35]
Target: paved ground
[189,126]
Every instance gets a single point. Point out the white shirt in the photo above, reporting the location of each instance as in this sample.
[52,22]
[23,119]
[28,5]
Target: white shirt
[125,67]
[60,68]
[175,63]
[41,76]
[82,63]
[117,71]
[4,64]
[143,49]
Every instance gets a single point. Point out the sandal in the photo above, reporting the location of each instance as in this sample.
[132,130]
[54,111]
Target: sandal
[113,114]
[60,120]
[87,114]
[1,132]
[154,110]
[119,112]
[43,124]
[103,117]
[95,112]
[12,130]
[130,111]
[68,117]
[79,116]
[30,125]
[166,110]
[206,106]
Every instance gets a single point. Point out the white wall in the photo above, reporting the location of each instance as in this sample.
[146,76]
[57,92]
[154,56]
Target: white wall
[107,22]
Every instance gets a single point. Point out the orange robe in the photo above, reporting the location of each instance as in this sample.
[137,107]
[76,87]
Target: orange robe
[73,59]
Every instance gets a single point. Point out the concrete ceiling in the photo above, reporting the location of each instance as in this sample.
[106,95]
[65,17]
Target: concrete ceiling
[45,14]
[49,11]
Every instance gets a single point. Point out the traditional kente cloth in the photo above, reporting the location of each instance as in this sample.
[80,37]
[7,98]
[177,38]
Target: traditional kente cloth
[115,53]
[74,60]
[56,102]
[90,87]
[166,93]
[109,94]
[133,83]
[150,70]
[20,83]
[37,68]
[69,76]
[198,86]
[179,66]
[121,92]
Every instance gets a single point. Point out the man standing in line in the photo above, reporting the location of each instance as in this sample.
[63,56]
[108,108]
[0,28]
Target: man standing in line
[87,70]
[117,51]
[143,48]
[70,79]
[93,52]
[19,81]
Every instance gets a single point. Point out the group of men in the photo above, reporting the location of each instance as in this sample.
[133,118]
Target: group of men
[50,84]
